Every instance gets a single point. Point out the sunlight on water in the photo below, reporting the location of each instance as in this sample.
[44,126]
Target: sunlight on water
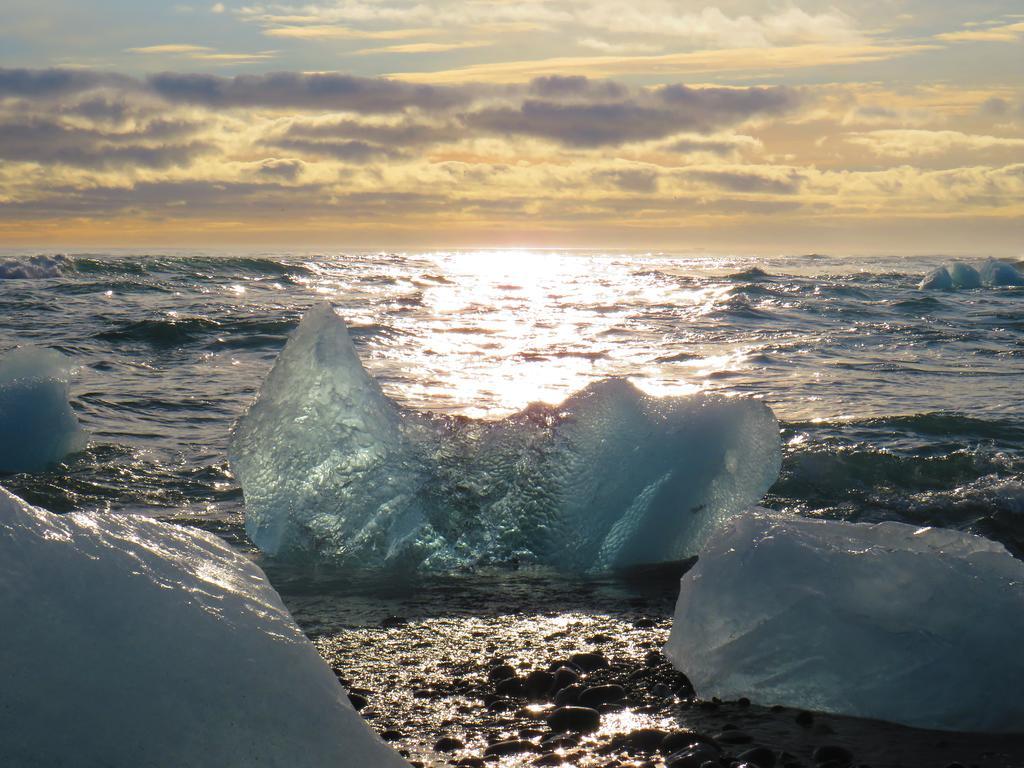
[497,330]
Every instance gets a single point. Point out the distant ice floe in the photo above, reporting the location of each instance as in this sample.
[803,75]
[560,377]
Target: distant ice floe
[958,275]
[38,428]
[131,642]
[888,621]
[33,268]
[333,469]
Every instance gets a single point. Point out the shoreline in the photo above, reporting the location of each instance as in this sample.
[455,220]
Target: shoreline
[454,673]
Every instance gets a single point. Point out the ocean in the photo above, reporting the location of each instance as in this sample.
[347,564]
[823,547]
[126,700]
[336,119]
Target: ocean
[895,403]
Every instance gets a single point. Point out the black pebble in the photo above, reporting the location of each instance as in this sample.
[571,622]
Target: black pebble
[448,744]
[391,622]
[694,757]
[538,683]
[804,718]
[645,623]
[644,740]
[580,719]
[596,695]
[733,737]
[501,672]
[568,695]
[588,662]
[832,753]
[512,686]
[680,740]
[358,700]
[564,677]
[510,747]
[762,757]
[392,735]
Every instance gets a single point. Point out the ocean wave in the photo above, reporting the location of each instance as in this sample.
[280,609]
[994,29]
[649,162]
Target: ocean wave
[40,267]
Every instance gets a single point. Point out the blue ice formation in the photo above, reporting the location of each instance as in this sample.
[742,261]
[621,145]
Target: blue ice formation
[993,274]
[332,469]
[999,273]
[33,268]
[38,428]
[919,626]
[938,279]
[132,642]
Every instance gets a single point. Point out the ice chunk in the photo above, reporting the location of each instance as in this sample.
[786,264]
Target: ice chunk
[333,469]
[887,621]
[937,280]
[999,273]
[33,268]
[964,275]
[130,642]
[37,425]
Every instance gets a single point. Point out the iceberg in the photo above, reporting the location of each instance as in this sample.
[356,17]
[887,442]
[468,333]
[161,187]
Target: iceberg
[938,279]
[37,425]
[126,641]
[999,273]
[964,275]
[919,626]
[332,469]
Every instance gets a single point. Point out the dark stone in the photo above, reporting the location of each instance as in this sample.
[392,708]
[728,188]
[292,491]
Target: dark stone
[643,740]
[510,747]
[538,683]
[588,662]
[358,700]
[471,762]
[762,757]
[563,678]
[448,744]
[693,757]
[653,658]
[832,753]
[645,623]
[579,719]
[568,695]
[733,737]
[549,759]
[680,740]
[392,735]
[512,686]
[597,695]
[500,672]
[560,741]
[391,622]
[743,701]
[501,705]
[425,693]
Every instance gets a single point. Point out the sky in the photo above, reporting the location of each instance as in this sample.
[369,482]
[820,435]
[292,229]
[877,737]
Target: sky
[749,126]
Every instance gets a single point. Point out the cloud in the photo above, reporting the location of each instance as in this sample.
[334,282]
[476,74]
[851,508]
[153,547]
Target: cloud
[50,83]
[423,48]
[1001,33]
[749,60]
[44,141]
[290,170]
[749,181]
[639,180]
[905,143]
[169,48]
[292,90]
[637,116]
[336,32]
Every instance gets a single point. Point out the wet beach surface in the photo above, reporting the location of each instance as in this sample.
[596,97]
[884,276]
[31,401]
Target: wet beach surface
[467,670]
